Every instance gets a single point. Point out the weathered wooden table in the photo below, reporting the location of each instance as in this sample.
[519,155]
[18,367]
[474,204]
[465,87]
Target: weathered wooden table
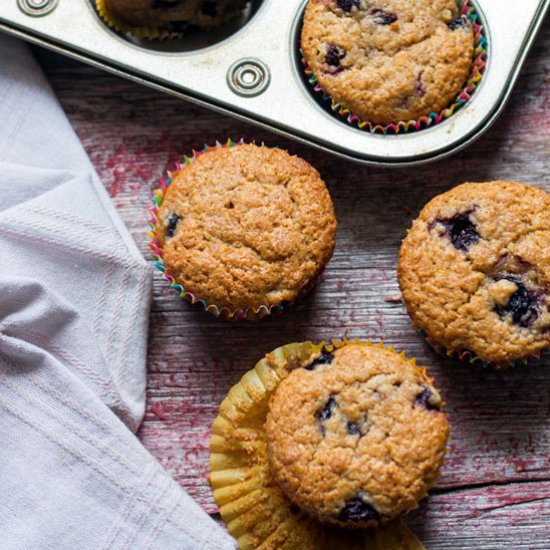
[495,489]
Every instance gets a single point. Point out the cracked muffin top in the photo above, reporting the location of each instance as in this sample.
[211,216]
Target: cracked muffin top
[388,60]
[174,15]
[246,226]
[474,271]
[357,436]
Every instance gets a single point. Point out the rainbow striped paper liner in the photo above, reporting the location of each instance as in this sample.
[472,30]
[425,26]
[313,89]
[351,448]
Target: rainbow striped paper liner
[405,127]
[469,357]
[147,33]
[249,314]
[255,510]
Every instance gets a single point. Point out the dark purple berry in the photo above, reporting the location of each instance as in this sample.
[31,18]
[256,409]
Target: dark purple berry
[423,400]
[172,222]
[324,359]
[353,428]
[382,17]
[357,510]
[523,304]
[334,55]
[165,4]
[462,232]
[325,413]
[209,9]
[294,510]
[348,5]
[458,23]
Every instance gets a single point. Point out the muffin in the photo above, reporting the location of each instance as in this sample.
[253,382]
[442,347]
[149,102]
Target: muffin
[245,229]
[474,271]
[172,15]
[390,60]
[357,437]
[358,413]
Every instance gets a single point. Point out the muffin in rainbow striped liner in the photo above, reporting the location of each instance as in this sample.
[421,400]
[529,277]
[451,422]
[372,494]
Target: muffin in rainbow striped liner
[163,19]
[474,272]
[242,229]
[393,67]
[317,437]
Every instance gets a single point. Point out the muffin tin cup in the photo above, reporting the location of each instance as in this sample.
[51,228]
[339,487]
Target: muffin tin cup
[408,126]
[253,507]
[250,314]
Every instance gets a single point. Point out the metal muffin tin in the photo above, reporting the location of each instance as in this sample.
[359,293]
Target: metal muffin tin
[253,71]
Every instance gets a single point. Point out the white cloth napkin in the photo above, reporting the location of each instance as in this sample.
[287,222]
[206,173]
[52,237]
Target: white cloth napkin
[74,305]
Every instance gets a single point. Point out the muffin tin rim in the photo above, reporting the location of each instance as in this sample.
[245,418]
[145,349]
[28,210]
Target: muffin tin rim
[200,76]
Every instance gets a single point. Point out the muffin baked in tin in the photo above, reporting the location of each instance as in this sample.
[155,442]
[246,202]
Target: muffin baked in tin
[391,60]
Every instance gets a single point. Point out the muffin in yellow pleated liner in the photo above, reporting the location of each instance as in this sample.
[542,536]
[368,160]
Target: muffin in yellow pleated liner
[148,33]
[255,510]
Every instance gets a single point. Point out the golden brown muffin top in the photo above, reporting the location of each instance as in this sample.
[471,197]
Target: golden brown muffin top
[357,437]
[475,270]
[388,60]
[246,226]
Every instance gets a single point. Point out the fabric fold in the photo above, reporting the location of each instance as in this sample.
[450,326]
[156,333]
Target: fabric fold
[74,309]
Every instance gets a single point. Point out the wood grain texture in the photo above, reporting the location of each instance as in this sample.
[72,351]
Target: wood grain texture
[495,490]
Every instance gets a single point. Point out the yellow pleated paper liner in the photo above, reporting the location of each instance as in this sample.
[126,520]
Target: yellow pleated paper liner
[147,33]
[408,126]
[250,314]
[254,509]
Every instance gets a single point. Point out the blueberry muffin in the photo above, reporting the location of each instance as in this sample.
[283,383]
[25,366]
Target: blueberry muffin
[474,271]
[357,437]
[173,15]
[362,400]
[388,60]
[246,227]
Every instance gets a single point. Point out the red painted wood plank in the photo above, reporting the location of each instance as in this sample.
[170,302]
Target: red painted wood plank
[494,491]
[514,516]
